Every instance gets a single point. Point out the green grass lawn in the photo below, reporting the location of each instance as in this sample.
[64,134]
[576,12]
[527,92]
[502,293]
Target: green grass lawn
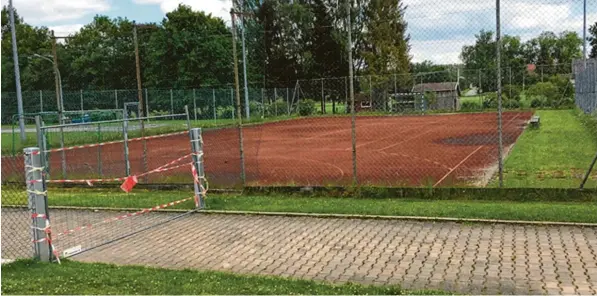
[505,210]
[555,155]
[35,278]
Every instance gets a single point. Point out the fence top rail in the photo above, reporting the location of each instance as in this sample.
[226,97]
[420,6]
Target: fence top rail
[111,121]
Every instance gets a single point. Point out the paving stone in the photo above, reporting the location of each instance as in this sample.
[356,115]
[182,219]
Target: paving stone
[459,258]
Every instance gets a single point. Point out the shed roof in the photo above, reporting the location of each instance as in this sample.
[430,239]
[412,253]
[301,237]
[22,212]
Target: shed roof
[436,87]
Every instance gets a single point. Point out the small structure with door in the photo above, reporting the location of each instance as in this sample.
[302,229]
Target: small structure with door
[441,95]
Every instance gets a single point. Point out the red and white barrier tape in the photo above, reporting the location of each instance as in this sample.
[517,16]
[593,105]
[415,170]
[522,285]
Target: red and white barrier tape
[48,231]
[90,182]
[114,142]
[197,179]
[122,217]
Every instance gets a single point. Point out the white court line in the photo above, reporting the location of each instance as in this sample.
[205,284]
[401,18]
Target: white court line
[454,168]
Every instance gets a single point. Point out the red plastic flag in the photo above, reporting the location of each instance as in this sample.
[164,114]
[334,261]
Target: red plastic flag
[129,183]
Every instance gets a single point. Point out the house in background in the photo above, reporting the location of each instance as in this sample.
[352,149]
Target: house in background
[447,95]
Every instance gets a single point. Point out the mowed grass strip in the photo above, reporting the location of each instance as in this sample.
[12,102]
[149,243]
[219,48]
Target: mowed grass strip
[555,155]
[581,212]
[75,278]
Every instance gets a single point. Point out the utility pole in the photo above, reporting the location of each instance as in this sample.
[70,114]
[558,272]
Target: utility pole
[242,31]
[498,39]
[237,86]
[584,33]
[140,95]
[57,80]
[351,90]
[15,58]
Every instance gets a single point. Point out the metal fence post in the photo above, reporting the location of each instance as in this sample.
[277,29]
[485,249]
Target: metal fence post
[37,200]
[194,104]
[275,100]
[99,149]
[41,142]
[148,111]
[171,104]
[188,116]
[116,99]
[287,102]
[214,104]
[199,174]
[262,105]
[498,42]
[41,101]
[125,127]
[322,98]
[81,95]
[232,101]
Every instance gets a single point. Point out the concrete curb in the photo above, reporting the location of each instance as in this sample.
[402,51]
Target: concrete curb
[341,216]
[411,218]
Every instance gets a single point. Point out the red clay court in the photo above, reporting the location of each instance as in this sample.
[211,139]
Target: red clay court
[419,150]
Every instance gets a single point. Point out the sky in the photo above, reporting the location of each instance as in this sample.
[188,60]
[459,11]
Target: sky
[438,28]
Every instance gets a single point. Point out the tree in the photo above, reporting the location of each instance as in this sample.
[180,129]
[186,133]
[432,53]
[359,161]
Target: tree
[553,53]
[593,40]
[100,56]
[36,74]
[189,49]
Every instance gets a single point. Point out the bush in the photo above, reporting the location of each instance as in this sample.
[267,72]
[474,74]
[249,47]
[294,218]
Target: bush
[512,91]
[158,113]
[277,108]
[306,107]
[469,106]
[225,112]
[511,104]
[256,108]
[536,103]
[543,91]
[491,102]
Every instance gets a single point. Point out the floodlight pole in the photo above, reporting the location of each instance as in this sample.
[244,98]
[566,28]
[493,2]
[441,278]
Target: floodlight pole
[498,39]
[351,90]
[236,87]
[15,58]
[244,54]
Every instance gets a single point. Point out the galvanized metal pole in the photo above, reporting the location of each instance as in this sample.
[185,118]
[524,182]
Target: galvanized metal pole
[584,33]
[213,98]
[171,104]
[584,180]
[352,111]
[37,200]
[194,104]
[125,128]
[140,97]
[242,31]
[15,59]
[197,148]
[99,150]
[498,46]
[275,99]
[41,101]
[262,105]
[322,99]
[116,99]
[287,102]
[238,114]
[187,116]
[82,109]
[41,141]
[147,104]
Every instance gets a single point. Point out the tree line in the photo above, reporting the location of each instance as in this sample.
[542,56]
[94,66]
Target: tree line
[285,41]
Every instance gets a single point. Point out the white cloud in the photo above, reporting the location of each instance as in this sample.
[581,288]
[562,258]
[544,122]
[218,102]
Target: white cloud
[65,30]
[439,51]
[38,12]
[217,8]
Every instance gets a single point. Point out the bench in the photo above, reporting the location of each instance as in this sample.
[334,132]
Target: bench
[535,121]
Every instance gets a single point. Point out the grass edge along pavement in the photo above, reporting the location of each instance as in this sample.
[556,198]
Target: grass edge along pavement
[32,277]
[581,209]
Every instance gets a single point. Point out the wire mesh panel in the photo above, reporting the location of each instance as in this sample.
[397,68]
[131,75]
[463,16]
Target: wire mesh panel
[16,221]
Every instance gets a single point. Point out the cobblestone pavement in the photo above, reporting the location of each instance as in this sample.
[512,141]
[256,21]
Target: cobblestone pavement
[462,258]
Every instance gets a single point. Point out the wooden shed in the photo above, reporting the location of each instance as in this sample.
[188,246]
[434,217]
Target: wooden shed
[447,95]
